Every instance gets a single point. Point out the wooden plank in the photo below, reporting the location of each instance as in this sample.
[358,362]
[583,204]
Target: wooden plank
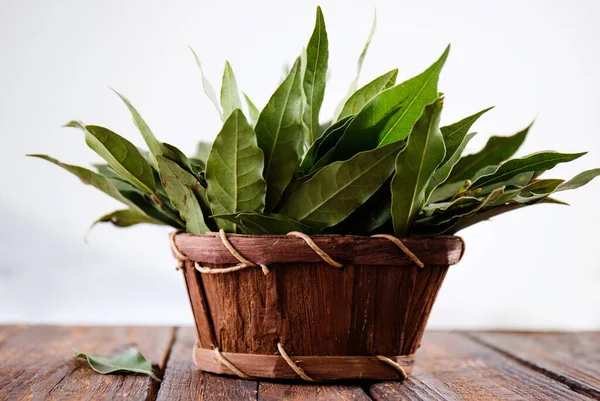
[571,358]
[451,366]
[182,381]
[37,363]
[268,391]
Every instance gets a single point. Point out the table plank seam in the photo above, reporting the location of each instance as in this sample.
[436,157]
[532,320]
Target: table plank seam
[573,385]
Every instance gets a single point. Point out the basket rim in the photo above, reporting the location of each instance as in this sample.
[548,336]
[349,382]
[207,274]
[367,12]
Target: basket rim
[347,249]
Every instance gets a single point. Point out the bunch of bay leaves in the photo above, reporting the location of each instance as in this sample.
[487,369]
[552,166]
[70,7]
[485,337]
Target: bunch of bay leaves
[382,164]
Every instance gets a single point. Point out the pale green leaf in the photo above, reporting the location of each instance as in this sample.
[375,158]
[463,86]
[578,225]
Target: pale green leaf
[391,115]
[315,76]
[120,154]
[338,189]
[358,99]
[415,165]
[279,135]
[234,170]
[202,151]
[209,90]
[230,94]
[579,180]
[125,218]
[129,360]
[253,111]
[454,134]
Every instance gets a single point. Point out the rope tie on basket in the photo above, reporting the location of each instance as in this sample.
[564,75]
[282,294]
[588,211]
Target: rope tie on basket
[394,365]
[181,258]
[219,357]
[403,248]
[299,371]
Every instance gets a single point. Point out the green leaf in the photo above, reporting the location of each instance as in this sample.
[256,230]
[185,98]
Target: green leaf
[181,187]
[579,180]
[209,90]
[230,94]
[178,157]
[338,189]
[89,177]
[415,165]
[443,171]
[362,96]
[279,135]
[359,64]
[446,191]
[315,76]
[129,360]
[156,148]
[323,146]
[125,218]
[253,111]
[496,150]
[234,170]
[202,151]
[120,154]
[157,210]
[267,223]
[533,163]
[391,115]
[454,134]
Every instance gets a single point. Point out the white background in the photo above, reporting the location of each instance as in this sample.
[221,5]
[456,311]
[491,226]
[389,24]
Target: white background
[536,268]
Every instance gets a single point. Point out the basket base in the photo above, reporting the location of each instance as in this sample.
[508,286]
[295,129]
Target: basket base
[321,368]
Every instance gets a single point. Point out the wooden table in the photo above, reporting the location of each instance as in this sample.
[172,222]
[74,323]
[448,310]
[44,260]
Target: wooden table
[36,363]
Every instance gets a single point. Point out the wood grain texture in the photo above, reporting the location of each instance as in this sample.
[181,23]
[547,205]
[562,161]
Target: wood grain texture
[268,391]
[452,366]
[36,363]
[571,358]
[356,250]
[182,381]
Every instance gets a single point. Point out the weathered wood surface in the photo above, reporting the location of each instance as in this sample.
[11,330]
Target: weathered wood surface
[348,249]
[36,364]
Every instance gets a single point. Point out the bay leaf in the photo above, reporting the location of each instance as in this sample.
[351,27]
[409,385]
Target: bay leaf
[209,90]
[129,360]
[125,218]
[120,154]
[230,94]
[315,76]
[496,150]
[339,188]
[357,100]
[535,162]
[391,115]
[253,111]
[415,165]
[234,171]
[579,180]
[323,145]
[181,187]
[202,150]
[279,135]
[454,134]
[267,223]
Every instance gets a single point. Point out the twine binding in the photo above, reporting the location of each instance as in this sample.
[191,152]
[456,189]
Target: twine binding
[245,263]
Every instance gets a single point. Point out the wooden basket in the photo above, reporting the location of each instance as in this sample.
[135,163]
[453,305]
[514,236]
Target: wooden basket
[306,319]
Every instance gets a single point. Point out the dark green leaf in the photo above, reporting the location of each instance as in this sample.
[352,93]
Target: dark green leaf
[415,165]
[496,150]
[126,218]
[362,96]
[267,223]
[128,361]
[230,94]
[533,163]
[279,134]
[454,134]
[182,188]
[391,115]
[234,170]
[338,189]
[323,145]
[315,76]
